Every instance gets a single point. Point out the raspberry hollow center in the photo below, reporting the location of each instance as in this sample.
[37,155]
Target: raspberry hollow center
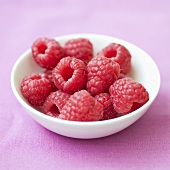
[67,73]
[111,53]
[42,48]
[54,110]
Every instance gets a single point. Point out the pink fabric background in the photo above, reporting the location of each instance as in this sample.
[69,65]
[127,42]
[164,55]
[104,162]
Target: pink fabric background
[24,144]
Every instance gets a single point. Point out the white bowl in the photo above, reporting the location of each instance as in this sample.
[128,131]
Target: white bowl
[144,70]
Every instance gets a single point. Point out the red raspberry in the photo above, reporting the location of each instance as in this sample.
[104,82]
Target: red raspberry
[128,95]
[47,52]
[119,54]
[36,88]
[106,101]
[80,48]
[70,75]
[81,106]
[121,76]
[54,103]
[102,72]
[49,75]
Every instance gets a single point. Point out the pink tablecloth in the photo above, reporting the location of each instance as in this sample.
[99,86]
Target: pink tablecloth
[24,144]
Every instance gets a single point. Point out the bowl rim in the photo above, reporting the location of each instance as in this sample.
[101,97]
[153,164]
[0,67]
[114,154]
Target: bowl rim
[78,123]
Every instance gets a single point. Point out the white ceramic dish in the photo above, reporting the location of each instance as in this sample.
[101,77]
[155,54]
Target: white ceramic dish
[144,70]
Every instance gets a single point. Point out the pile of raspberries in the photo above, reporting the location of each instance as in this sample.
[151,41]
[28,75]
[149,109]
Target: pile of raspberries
[80,86]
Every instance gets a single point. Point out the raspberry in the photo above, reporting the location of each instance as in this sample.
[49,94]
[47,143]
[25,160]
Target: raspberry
[119,54]
[47,52]
[49,75]
[128,95]
[54,103]
[70,75]
[81,106]
[36,88]
[122,76]
[105,100]
[80,48]
[102,72]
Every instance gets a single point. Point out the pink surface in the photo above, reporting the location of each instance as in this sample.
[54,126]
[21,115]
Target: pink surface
[24,144]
